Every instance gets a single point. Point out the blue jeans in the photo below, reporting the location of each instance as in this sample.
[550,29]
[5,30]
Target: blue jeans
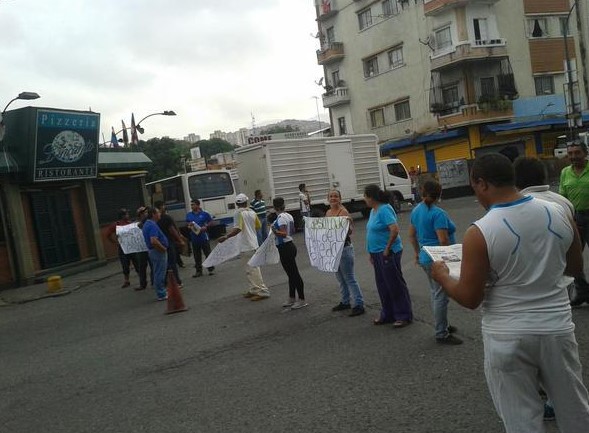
[347,279]
[439,304]
[159,265]
[263,232]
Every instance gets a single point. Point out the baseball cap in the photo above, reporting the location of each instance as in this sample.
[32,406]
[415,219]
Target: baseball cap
[241,198]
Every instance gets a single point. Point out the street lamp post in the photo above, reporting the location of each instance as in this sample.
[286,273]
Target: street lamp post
[138,126]
[574,118]
[25,96]
[318,116]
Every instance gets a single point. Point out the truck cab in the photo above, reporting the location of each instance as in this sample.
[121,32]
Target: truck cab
[397,181]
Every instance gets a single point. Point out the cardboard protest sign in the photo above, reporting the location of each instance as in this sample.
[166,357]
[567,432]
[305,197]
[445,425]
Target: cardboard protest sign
[266,254]
[131,239]
[325,238]
[223,252]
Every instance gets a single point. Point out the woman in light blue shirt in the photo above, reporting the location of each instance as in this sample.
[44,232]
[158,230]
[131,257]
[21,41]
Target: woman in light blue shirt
[385,248]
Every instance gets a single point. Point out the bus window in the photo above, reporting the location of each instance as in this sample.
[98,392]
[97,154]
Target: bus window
[172,191]
[207,185]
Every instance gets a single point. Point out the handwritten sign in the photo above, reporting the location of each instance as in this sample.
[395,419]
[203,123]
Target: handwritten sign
[131,239]
[267,254]
[325,238]
[223,252]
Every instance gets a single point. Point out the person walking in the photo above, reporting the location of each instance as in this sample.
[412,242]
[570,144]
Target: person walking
[258,205]
[123,219]
[384,245]
[304,204]
[431,226]
[574,185]
[247,223]
[283,228]
[513,259]
[168,226]
[345,274]
[199,222]
[143,256]
[157,245]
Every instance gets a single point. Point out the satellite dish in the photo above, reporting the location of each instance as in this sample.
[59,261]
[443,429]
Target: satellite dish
[320,82]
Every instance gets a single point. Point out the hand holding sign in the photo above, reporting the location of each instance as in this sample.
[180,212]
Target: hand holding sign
[325,239]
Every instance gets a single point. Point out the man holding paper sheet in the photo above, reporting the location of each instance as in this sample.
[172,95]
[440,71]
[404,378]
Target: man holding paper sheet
[513,260]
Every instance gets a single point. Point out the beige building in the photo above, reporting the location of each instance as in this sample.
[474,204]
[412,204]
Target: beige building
[441,80]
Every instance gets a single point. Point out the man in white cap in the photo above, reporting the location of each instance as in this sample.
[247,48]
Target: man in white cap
[247,223]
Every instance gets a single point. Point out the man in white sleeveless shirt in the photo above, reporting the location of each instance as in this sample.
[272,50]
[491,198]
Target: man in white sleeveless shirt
[513,260]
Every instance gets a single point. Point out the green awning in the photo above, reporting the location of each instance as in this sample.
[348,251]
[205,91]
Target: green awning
[122,160]
[7,162]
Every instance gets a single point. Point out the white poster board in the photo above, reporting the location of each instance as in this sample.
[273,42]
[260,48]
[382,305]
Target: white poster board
[131,238]
[266,254]
[223,251]
[325,238]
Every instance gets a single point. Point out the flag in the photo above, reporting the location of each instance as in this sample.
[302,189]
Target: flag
[113,138]
[125,135]
[134,137]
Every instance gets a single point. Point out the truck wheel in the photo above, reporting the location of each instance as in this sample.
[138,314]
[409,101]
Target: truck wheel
[396,203]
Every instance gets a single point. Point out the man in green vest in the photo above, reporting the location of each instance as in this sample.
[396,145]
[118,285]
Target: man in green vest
[574,185]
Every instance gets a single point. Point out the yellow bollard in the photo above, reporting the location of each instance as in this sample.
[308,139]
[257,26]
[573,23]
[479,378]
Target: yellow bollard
[54,284]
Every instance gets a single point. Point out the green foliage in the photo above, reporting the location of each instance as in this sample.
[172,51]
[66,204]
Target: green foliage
[213,146]
[278,130]
[166,154]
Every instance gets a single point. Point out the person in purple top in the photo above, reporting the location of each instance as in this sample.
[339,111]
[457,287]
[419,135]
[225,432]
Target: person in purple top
[383,242]
[157,244]
[431,226]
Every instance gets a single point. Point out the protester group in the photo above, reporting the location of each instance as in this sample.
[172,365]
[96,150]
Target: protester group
[521,262]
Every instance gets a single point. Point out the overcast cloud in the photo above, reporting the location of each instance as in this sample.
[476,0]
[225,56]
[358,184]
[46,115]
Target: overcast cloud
[212,61]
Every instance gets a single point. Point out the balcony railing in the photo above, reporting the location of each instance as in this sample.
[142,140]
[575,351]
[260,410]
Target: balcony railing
[331,53]
[434,7]
[498,109]
[337,96]
[480,49]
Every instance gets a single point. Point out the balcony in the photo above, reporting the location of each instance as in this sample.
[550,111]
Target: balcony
[327,9]
[333,52]
[435,7]
[335,97]
[492,111]
[468,51]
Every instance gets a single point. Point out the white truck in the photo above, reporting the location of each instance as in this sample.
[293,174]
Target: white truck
[347,163]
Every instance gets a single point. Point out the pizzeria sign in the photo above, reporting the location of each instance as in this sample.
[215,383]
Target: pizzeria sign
[66,145]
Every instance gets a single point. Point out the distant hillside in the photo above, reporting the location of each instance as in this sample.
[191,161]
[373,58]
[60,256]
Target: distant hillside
[300,125]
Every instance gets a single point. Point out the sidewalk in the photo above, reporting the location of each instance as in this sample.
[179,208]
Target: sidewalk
[70,284]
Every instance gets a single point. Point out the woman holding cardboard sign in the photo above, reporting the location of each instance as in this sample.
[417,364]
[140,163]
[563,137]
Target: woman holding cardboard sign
[345,274]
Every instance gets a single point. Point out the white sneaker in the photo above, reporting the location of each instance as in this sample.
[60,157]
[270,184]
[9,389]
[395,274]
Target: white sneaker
[288,303]
[299,304]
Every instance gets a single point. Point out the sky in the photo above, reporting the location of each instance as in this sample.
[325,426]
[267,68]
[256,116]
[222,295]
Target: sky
[213,62]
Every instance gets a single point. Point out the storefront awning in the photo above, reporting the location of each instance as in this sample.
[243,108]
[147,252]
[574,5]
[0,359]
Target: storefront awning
[122,161]
[7,162]
[545,123]
[422,139]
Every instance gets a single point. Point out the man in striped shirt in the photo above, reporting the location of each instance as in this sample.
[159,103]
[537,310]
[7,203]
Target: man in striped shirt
[259,207]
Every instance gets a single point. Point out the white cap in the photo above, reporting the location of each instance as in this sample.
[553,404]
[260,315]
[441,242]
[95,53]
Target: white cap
[241,198]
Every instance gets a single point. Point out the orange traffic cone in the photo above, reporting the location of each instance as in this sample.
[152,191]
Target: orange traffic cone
[175,301]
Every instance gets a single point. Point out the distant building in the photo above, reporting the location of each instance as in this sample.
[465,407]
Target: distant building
[219,134]
[192,138]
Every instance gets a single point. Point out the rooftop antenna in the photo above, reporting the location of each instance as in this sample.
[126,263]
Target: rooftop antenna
[253,124]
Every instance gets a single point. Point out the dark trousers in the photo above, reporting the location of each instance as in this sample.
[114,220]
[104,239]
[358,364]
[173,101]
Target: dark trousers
[582,221]
[288,254]
[126,260]
[173,261]
[392,288]
[142,262]
[198,250]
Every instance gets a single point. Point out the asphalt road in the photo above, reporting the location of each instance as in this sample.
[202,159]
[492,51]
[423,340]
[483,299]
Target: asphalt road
[106,359]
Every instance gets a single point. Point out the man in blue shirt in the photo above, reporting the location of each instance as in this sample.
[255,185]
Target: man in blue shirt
[157,244]
[199,221]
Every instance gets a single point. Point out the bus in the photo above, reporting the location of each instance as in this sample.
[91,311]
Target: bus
[214,188]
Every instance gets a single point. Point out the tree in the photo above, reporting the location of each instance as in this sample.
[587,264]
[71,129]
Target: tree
[166,154]
[213,146]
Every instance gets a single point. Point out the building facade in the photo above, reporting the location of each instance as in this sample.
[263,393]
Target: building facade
[440,81]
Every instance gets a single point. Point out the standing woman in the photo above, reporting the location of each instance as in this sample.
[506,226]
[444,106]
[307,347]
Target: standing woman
[345,273]
[283,227]
[157,245]
[431,226]
[385,248]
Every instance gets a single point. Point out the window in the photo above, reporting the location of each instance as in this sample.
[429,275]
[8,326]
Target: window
[390,7]
[443,38]
[207,185]
[537,28]
[488,87]
[396,57]
[544,85]
[481,33]
[330,35]
[371,67]
[402,111]
[335,78]
[377,118]
[341,121]
[450,96]
[365,19]
[396,169]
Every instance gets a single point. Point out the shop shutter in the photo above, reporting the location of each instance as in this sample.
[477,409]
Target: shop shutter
[412,158]
[456,151]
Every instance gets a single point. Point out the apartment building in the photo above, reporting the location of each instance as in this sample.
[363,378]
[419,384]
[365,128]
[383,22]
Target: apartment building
[445,80]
